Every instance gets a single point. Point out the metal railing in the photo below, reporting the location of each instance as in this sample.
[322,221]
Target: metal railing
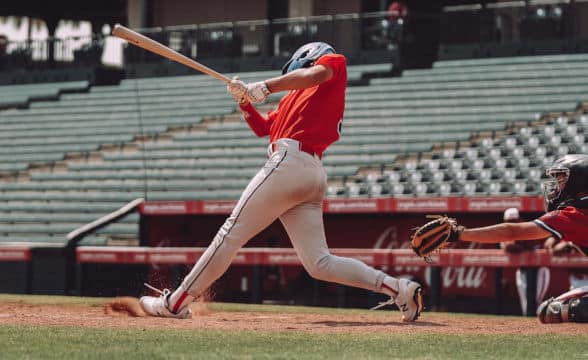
[351,34]
[348,33]
[512,22]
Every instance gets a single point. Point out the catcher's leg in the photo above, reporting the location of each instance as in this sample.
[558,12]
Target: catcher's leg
[571,306]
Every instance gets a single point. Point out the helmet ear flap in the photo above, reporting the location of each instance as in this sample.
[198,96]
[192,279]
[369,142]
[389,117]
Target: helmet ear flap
[286,66]
[306,55]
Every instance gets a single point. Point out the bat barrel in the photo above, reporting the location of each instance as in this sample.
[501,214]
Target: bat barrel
[148,44]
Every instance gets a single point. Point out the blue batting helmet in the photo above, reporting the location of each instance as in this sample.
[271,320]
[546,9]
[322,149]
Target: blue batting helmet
[306,55]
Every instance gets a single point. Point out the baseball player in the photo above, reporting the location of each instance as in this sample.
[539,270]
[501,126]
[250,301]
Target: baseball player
[566,200]
[290,186]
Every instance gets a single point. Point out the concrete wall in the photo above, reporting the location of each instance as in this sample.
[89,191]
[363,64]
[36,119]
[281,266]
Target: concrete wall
[183,12]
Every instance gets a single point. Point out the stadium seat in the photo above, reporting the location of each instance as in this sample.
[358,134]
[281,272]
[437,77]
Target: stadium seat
[510,143]
[497,188]
[356,190]
[579,139]
[510,174]
[519,152]
[440,177]
[470,188]
[444,189]
[570,130]
[400,190]
[501,163]
[460,175]
[524,188]
[377,190]
[421,189]
[334,191]
[394,177]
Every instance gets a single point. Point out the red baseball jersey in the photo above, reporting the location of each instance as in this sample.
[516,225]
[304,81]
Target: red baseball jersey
[569,224]
[312,116]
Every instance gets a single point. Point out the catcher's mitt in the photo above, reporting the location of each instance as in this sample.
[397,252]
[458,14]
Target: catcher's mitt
[434,235]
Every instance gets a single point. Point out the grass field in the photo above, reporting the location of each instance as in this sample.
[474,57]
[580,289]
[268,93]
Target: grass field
[142,339]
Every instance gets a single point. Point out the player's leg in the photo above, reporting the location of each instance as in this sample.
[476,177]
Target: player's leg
[543,280]
[263,200]
[571,306]
[304,225]
[282,183]
[521,281]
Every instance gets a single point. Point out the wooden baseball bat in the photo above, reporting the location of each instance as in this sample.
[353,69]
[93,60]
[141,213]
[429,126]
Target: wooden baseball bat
[151,45]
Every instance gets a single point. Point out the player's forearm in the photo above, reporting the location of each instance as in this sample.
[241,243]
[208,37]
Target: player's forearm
[300,79]
[504,232]
[255,120]
[488,234]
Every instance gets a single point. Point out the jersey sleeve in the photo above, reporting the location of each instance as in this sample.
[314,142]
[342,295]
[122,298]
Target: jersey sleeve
[257,123]
[335,62]
[557,223]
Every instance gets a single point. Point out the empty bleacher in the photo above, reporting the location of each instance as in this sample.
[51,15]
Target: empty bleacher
[67,162]
[476,127]
[536,98]
[21,95]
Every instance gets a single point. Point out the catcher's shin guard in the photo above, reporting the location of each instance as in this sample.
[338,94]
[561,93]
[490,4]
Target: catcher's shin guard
[556,311]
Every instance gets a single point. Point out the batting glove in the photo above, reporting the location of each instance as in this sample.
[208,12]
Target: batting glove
[238,90]
[257,92]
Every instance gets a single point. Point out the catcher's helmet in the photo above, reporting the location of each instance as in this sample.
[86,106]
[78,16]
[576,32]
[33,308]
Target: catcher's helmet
[306,55]
[568,181]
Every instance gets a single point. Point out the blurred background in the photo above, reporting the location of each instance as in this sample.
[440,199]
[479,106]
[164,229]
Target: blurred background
[453,107]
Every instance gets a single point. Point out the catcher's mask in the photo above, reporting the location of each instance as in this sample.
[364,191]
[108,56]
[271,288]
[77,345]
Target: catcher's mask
[306,55]
[568,179]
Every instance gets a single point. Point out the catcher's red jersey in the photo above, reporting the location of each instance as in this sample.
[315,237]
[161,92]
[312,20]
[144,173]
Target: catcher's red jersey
[312,115]
[570,224]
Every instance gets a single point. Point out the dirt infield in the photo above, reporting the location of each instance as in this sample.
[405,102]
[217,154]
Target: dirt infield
[336,322]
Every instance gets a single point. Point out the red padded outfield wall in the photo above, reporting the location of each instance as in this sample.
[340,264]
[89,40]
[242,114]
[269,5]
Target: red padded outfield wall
[384,223]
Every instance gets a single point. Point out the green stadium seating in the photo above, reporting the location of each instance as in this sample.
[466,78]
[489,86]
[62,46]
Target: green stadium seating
[550,59]
[20,95]
[389,117]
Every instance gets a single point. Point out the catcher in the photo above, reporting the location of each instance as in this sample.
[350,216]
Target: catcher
[566,220]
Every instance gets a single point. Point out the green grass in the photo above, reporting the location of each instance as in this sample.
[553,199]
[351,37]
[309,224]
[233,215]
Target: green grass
[19,342]
[60,342]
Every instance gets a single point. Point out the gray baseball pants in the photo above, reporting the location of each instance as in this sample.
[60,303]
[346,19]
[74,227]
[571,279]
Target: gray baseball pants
[290,187]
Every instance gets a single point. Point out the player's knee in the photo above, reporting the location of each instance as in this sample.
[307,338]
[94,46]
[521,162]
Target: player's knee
[556,311]
[320,269]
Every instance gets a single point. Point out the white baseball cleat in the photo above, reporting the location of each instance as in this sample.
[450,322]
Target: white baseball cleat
[409,300]
[157,306]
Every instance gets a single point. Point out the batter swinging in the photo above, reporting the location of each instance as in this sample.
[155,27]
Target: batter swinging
[290,186]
